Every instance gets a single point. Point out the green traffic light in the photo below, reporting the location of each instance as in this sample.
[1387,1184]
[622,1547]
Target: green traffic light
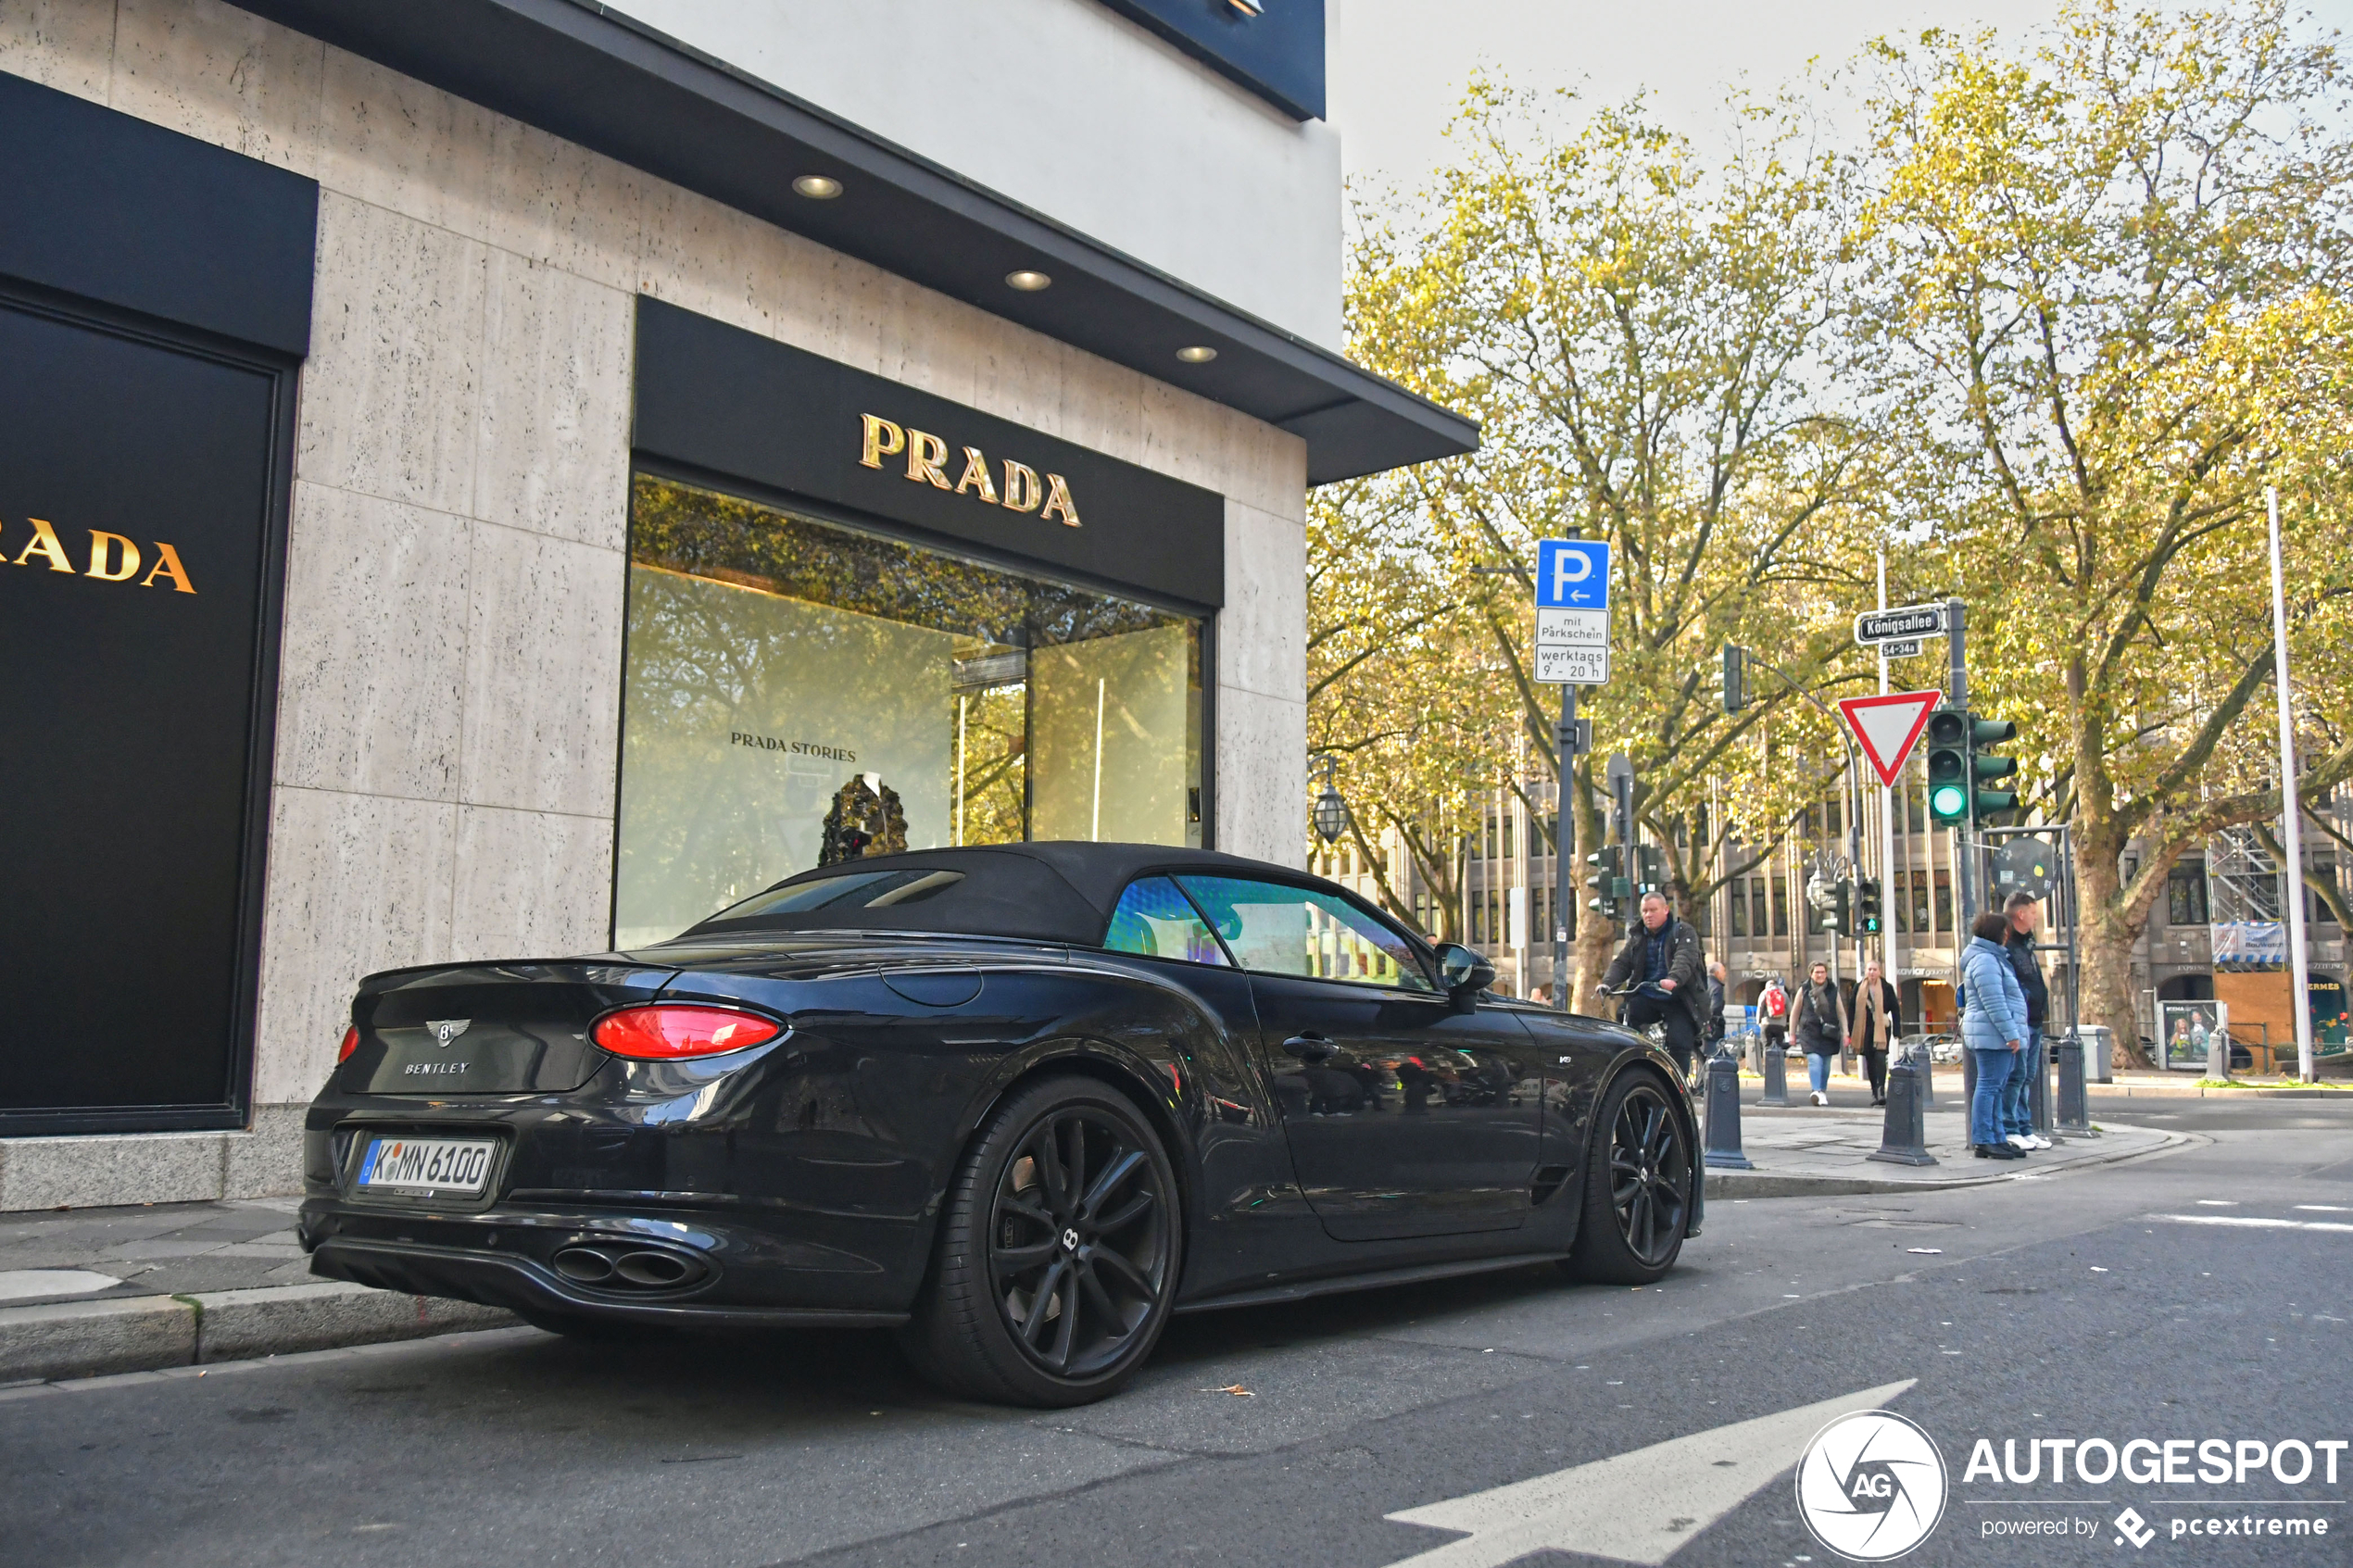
[1949,802]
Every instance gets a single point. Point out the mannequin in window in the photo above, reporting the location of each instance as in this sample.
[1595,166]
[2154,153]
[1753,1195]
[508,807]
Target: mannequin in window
[866,820]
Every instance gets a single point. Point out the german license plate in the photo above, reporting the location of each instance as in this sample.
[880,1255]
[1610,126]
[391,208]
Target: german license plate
[427,1165]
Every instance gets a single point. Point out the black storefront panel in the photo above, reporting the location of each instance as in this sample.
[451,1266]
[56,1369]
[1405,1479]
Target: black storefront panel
[154,300]
[129,613]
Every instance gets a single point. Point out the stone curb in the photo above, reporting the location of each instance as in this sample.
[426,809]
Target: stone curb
[2191,1091]
[65,1339]
[1770,1183]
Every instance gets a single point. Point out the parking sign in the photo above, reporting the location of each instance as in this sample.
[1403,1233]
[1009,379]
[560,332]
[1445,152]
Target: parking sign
[1572,574]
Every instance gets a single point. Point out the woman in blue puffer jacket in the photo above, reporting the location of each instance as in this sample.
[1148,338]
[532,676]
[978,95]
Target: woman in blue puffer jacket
[1993,1026]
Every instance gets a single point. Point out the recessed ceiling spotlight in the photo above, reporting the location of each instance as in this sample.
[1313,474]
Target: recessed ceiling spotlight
[818,187]
[1199,354]
[1028,281]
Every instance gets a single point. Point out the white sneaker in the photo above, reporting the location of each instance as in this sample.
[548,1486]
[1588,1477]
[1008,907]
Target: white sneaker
[1820,1098]
[2038,1140]
[2019,1141]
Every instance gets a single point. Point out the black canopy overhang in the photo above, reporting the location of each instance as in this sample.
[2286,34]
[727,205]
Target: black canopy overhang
[603,80]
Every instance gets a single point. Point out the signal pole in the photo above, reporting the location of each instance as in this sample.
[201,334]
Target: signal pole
[1567,747]
[1888,893]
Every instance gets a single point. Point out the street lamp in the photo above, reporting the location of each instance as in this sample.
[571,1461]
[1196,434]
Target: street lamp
[1332,810]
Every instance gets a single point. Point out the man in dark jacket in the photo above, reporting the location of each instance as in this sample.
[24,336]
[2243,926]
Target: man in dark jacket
[2018,1113]
[1663,962]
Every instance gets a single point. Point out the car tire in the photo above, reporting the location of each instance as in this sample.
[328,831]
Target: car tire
[1043,1290]
[1638,1175]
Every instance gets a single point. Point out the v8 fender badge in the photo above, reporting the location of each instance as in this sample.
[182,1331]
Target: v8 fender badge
[1872,1485]
[447,1028]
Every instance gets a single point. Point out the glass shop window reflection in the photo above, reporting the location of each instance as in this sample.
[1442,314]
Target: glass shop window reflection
[797,694]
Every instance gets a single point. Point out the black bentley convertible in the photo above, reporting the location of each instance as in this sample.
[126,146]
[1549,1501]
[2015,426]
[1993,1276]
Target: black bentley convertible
[1022,1103]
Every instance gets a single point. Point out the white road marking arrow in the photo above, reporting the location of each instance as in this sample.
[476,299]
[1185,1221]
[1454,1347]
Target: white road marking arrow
[1638,1507]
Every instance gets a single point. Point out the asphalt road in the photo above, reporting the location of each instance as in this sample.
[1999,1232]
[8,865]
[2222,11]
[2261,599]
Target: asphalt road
[2061,1307]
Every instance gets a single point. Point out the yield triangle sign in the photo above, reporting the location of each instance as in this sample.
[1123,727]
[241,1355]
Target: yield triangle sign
[1886,727]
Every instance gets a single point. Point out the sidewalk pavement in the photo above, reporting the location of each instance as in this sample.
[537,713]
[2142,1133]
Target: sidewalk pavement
[1812,1150]
[85,1292]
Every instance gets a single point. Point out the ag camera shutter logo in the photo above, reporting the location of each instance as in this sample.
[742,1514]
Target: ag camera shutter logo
[1871,1487]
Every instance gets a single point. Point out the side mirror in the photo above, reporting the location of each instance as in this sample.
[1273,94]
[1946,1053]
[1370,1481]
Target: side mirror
[1461,971]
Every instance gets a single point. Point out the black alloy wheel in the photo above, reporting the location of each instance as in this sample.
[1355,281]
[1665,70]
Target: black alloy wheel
[1058,1252]
[1638,1187]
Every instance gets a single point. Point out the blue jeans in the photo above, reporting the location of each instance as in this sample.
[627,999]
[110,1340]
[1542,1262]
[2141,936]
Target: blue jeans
[2017,1108]
[1994,1069]
[1817,1073]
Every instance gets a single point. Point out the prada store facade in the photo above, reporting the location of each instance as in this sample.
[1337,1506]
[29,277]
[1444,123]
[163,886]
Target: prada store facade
[486,481]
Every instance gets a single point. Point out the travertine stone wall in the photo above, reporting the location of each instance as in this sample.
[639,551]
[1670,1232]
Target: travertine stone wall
[448,713]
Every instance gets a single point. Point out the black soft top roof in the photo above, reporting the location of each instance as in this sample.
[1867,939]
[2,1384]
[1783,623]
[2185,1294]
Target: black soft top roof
[1052,891]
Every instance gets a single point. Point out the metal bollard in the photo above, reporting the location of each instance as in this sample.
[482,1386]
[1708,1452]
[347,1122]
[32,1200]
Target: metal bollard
[1724,1115]
[1925,1064]
[2038,1093]
[1903,1136]
[1968,1080]
[2074,1105]
[1776,1076]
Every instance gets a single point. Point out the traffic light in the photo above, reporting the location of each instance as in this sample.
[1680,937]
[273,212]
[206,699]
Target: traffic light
[1650,869]
[1731,682]
[1983,732]
[1867,910]
[1609,882]
[1833,912]
[1948,767]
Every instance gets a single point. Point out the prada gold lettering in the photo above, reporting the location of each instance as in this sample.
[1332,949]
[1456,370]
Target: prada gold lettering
[1022,491]
[44,543]
[112,557]
[977,476]
[883,440]
[926,463]
[925,452]
[168,565]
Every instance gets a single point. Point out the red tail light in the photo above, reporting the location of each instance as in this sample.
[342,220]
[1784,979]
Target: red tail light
[350,1043]
[667,1031]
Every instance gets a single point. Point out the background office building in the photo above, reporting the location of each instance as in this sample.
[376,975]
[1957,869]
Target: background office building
[506,477]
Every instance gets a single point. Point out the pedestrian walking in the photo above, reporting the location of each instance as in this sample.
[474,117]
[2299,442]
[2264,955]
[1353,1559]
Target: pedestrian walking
[2018,1107]
[1717,980]
[1662,962]
[1772,1011]
[1822,1028]
[1993,1025]
[1879,1022]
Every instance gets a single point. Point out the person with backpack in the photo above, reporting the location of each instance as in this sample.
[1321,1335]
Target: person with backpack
[1772,1012]
[1822,1028]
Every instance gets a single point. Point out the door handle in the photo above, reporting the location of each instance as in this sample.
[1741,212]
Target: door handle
[1311,1048]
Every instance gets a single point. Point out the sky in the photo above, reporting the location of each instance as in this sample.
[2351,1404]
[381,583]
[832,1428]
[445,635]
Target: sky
[1397,67]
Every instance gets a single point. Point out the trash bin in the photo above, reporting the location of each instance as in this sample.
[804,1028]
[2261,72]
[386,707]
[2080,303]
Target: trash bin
[2100,1061]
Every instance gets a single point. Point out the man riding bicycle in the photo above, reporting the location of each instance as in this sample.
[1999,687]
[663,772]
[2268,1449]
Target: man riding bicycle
[1664,976]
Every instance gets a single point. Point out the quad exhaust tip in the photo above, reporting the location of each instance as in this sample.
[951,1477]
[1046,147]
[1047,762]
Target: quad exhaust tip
[609,1267]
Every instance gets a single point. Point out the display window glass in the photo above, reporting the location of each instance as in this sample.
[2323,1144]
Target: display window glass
[798,692]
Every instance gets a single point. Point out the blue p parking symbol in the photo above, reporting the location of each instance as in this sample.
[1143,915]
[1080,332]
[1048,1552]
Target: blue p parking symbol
[1572,574]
